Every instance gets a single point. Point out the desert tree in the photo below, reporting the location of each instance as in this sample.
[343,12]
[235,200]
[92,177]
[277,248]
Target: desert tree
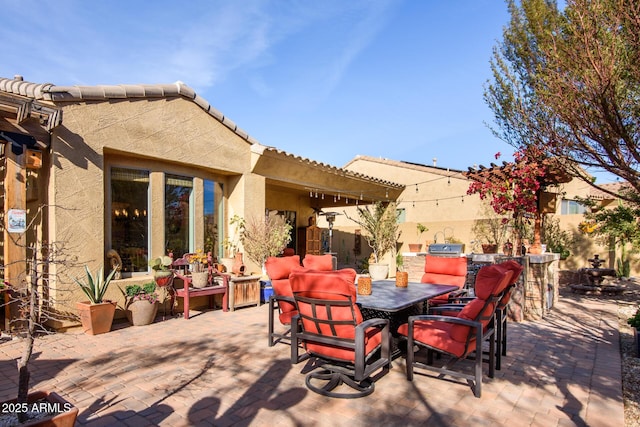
[568,82]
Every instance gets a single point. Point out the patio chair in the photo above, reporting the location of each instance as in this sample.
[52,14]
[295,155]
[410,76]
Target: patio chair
[278,270]
[458,337]
[501,312]
[349,350]
[455,304]
[444,271]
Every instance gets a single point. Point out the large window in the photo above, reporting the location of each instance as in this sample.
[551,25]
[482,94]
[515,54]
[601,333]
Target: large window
[213,214]
[572,207]
[178,214]
[129,213]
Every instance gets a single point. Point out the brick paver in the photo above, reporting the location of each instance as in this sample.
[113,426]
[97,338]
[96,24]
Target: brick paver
[216,369]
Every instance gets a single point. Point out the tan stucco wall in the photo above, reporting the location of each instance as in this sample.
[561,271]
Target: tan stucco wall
[161,135]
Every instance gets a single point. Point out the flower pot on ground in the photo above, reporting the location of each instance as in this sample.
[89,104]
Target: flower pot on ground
[96,315]
[62,414]
[96,318]
[141,304]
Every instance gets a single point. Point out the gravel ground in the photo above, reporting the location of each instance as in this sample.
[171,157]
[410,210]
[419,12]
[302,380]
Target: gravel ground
[628,302]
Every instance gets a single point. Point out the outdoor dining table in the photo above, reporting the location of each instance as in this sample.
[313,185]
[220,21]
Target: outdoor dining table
[387,301]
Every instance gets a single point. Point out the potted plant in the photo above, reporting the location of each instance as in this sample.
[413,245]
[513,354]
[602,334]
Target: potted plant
[141,303]
[634,322]
[161,267]
[263,238]
[491,232]
[231,244]
[417,247]
[380,229]
[96,314]
[199,262]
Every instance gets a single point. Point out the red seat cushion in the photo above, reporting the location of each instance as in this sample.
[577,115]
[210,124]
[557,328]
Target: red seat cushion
[332,285]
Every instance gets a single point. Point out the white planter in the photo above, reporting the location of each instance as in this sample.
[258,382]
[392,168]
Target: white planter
[378,271]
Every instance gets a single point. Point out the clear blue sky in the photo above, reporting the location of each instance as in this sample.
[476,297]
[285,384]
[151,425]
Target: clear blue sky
[327,80]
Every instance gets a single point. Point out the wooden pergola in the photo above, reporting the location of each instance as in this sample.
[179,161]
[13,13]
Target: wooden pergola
[556,174]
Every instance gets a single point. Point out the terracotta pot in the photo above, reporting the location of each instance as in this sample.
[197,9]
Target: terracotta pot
[415,247]
[402,279]
[489,249]
[66,417]
[96,318]
[141,312]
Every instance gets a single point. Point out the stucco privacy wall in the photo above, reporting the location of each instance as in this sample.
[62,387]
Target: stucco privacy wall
[94,136]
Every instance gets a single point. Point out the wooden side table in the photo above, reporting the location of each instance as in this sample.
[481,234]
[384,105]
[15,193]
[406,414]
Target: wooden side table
[244,291]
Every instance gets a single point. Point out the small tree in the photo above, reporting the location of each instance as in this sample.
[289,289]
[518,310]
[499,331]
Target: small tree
[265,237]
[32,300]
[380,227]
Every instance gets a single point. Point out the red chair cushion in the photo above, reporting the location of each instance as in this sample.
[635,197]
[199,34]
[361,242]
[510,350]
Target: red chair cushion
[318,262]
[444,271]
[435,334]
[280,267]
[278,270]
[332,285]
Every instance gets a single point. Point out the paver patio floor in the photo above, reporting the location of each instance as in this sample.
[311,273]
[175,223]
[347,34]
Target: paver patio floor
[216,369]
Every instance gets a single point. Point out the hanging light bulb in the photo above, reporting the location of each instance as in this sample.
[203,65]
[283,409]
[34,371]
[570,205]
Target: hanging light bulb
[322,196]
[416,188]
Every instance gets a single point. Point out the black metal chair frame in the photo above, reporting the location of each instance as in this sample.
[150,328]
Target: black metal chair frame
[276,337]
[476,330]
[335,372]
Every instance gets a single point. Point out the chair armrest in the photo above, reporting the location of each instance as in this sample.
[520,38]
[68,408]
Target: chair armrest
[446,319]
[370,323]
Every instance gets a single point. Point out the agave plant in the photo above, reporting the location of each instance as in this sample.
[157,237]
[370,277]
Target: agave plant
[95,286]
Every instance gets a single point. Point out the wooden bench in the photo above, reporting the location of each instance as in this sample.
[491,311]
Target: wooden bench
[188,292]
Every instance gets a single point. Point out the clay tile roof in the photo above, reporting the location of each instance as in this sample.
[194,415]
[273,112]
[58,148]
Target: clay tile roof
[326,167]
[50,92]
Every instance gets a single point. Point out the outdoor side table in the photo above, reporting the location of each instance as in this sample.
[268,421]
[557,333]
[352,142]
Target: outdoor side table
[244,291]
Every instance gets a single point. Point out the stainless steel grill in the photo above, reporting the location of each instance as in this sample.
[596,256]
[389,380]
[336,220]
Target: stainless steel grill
[446,249]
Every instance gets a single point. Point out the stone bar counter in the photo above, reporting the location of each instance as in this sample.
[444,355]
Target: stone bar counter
[535,294]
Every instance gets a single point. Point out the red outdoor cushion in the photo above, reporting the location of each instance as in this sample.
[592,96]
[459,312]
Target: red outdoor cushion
[332,285]
[278,270]
[280,267]
[318,262]
[444,271]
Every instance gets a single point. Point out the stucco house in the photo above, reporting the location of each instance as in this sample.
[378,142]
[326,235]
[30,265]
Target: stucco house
[143,170]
